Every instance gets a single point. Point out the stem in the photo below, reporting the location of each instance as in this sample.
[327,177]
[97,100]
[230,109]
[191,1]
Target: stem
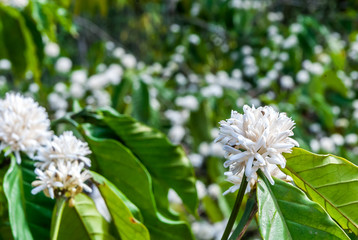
[69,117]
[250,211]
[253,213]
[56,217]
[65,119]
[236,208]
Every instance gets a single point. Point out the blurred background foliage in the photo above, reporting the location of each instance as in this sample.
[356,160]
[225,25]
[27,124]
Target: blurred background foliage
[181,66]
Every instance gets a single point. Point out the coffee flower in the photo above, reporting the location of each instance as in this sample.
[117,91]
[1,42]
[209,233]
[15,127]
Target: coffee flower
[61,168]
[255,140]
[62,179]
[46,181]
[24,125]
[236,179]
[65,148]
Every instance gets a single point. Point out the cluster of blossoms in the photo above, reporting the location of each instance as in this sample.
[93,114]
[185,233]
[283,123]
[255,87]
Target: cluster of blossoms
[255,140]
[24,125]
[61,168]
[60,165]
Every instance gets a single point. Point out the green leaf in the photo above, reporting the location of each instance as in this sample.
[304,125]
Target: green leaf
[118,164]
[119,93]
[328,180]
[132,208]
[141,104]
[26,211]
[128,227]
[212,209]
[323,110]
[285,212]
[200,132]
[37,39]
[43,15]
[160,193]
[330,80]
[339,59]
[14,193]
[18,41]
[83,221]
[167,163]
[38,207]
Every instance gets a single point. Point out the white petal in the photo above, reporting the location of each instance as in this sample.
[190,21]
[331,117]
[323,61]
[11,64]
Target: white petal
[268,175]
[38,189]
[260,158]
[249,166]
[51,192]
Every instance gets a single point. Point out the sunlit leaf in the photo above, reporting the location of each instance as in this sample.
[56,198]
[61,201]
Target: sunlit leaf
[83,221]
[118,164]
[127,226]
[285,212]
[328,180]
[30,215]
[14,193]
[166,162]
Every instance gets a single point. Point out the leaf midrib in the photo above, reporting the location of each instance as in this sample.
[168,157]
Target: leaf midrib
[278,209]
[325,199]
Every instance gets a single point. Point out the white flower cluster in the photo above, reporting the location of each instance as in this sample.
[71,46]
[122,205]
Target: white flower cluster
[255,140]
[65,148]
[24,125]
[61,167]
[62,179]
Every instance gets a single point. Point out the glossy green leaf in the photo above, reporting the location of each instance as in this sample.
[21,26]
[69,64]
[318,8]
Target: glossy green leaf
[141,101]
[118,164]
[15,193]
[83,221]
[328,180]
[18,42]
[167,163]
[132,208]
[37,38]
[127,226]
[44,17]
[37,209]
[285,212]
[160,193]
[5,228]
